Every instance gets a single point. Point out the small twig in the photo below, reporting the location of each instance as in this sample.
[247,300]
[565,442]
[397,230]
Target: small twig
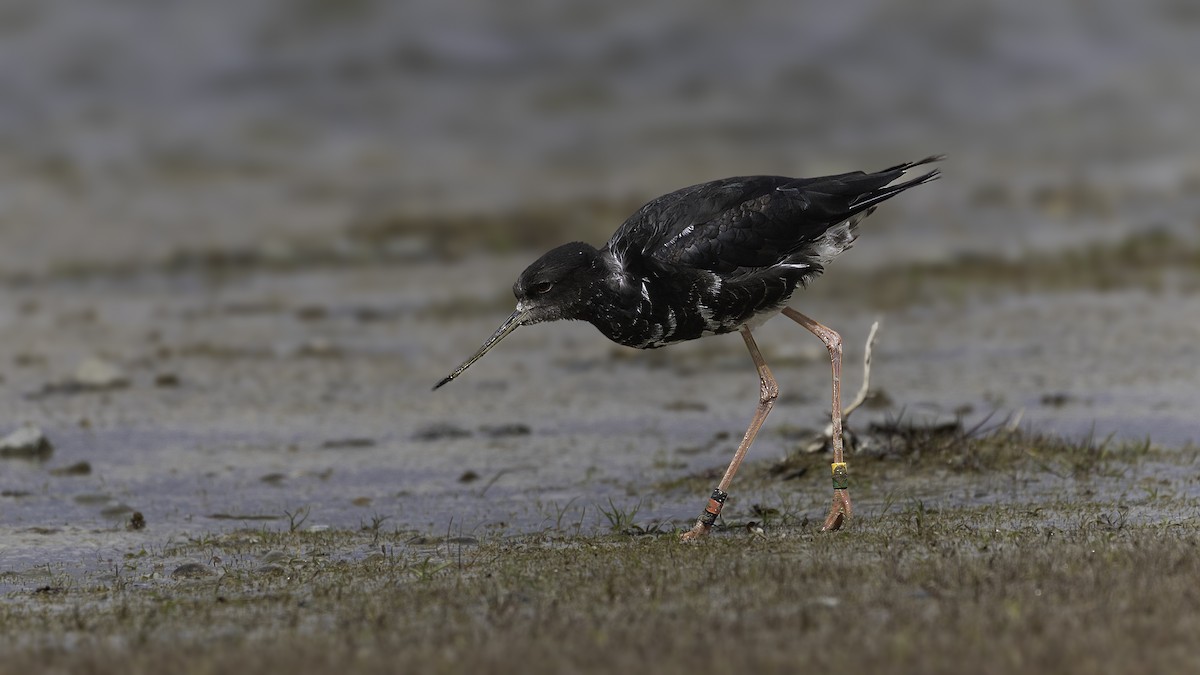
[861,397]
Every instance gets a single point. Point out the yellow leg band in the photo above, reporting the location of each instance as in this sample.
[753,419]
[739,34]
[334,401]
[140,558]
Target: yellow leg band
[841,475]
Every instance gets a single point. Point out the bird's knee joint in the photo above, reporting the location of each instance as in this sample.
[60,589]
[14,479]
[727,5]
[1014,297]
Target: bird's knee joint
[768,391]
[834,342]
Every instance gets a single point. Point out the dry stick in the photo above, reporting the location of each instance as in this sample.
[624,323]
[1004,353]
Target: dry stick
[861,397]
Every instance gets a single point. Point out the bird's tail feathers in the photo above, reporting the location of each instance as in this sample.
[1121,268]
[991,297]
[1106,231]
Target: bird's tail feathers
[908,165]
[874,197]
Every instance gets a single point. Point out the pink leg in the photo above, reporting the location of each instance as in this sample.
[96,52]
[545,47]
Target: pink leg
[841,494]
[768,391]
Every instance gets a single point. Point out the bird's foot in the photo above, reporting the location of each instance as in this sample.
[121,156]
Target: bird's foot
[705,522]
[839,512]
[698,532]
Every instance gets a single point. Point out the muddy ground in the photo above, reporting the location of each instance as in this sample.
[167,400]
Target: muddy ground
[270,475]
[1002,552]
[241,241]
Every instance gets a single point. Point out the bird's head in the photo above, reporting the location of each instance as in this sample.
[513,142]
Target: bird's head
[556,286]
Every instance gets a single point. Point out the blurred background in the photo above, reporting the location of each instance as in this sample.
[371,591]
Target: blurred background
[277,223]
[149,128]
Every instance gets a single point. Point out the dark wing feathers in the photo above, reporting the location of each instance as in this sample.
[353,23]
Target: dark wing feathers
[751,221]
[756,231]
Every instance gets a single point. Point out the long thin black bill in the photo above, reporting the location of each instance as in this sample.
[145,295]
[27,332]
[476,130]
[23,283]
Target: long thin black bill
[507,327]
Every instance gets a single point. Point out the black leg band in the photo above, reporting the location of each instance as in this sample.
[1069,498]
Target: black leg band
[715,502]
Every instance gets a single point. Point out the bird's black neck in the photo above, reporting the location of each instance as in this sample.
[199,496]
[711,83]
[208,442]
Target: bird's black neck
[610,300]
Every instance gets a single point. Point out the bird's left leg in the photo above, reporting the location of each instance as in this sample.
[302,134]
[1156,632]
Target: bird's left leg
[841,509]
[768,391]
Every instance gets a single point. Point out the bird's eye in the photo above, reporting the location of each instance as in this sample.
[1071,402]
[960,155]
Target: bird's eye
[542,288]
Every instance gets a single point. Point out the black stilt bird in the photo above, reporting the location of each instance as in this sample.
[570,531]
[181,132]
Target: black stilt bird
[710,259]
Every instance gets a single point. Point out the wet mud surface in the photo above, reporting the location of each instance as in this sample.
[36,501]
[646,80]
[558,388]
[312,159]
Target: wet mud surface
[238,402]
[241,242]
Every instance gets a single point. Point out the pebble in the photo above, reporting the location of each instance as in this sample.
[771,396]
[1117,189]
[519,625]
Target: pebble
[274,557]
[439,431]
[96,373]
[192,571]
[76,469]
[27,442]
[502,430]
[166,380]
[352,442]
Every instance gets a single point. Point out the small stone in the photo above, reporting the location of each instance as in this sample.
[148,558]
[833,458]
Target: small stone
[192,571]
[274,557]
[76,469]
[353,442]
[1056,399]
[440,431]
[503,430]
[27,442]
[96,373]
[166,380]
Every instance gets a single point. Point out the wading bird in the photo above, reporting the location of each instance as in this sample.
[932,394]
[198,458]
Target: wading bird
[710,259]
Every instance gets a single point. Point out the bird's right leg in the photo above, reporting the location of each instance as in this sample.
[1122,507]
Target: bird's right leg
[768,391]
[841,508]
